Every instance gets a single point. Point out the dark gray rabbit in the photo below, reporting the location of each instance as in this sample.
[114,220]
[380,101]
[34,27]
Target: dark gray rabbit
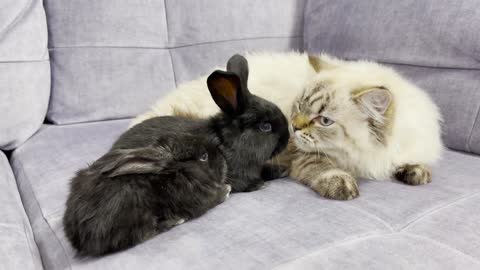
[131,194]
[167,170]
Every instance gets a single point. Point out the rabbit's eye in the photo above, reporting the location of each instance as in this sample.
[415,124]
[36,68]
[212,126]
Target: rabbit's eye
[325,121]
[203,157]
[265,127]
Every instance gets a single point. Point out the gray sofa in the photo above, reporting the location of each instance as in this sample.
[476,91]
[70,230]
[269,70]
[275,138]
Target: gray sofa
[73,73]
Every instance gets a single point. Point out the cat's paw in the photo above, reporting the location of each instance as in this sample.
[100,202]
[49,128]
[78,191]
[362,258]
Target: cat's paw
[413,174]
[337,185]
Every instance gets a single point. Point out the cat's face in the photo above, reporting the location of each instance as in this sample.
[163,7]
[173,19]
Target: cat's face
[333,116]
[324,119]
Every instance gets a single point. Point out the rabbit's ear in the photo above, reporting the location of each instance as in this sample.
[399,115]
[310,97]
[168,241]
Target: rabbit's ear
[239,65]
[227,91]
[135,161]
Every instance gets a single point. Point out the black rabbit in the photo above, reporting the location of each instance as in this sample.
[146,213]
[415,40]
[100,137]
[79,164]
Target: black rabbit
[167,170]
[131,194]
[250,129]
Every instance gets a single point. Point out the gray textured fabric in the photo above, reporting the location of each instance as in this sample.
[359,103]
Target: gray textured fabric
[286,224]
[111,59]
[396,251]
[191,61]
[437,38]
[107,23]
[456,91]
[208,21]
[17,249]
[48,160]
[24,70]
[104,83]
[23,31]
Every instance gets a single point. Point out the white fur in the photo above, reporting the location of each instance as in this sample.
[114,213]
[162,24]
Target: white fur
[278,77]
[415,136]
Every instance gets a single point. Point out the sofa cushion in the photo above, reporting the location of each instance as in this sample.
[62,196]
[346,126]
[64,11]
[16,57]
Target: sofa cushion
[24,70]
[282,223]
[435,43]
[113,59]
[18,249]
[213,31]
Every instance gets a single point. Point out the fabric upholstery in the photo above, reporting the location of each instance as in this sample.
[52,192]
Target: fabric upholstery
[284,225]
[112,59]
[439,39]
[24,70]
[17,249]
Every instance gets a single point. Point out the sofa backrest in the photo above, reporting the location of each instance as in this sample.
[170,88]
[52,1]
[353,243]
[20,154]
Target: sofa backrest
[435,43]
[112,59]
[24,70]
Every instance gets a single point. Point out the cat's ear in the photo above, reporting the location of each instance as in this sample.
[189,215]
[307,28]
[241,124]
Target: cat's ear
[135,161]
[319,63]
[374,101]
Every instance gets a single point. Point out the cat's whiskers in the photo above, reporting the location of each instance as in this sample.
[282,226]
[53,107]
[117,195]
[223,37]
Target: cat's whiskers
[318,148]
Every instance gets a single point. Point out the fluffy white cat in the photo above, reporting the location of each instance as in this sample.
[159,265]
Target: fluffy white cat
[362,119]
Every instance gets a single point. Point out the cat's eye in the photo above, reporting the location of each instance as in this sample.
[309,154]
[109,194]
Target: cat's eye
[265,127]
[325,121]
[203,157]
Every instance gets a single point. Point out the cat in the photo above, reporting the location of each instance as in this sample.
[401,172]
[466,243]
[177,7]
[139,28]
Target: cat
[392,126]
[361,119]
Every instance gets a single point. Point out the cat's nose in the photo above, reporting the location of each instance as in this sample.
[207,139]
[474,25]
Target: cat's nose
[300,122]
[295,128]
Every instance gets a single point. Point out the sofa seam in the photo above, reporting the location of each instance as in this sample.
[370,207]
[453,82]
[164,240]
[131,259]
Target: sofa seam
[365,236]
[424,65]
[473,128]
[29,186]
[28,242]
[422,237]
[25,218]
[24,61]
[385,223]
[375,235]
[168,43]
[436,209]
[171,47]
[17,18]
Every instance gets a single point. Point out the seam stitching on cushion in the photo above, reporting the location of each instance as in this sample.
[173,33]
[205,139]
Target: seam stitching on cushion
[24,214]
[24,61]
[168,42]
[172,47]
[389,226]
[424,66]
[441,244]
[29,186]
[28,242]
[15,20]
[361,237]
[473,128]
[436,209]
[13,187]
